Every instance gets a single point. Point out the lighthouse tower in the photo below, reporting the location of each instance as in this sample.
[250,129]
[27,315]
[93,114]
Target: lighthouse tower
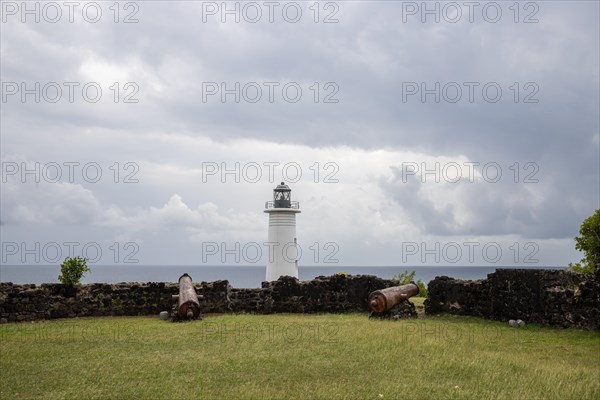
[283,252]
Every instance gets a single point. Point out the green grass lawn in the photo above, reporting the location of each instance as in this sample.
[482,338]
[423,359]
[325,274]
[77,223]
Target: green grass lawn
[327,356]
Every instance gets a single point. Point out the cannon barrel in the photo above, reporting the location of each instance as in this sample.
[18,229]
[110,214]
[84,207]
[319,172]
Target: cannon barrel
[384,299]
[188,306]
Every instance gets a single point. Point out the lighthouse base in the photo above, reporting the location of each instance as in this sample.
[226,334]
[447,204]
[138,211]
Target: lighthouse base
[274,272]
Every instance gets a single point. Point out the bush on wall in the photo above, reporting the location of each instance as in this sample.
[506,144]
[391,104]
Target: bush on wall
[407,277]
[72,270]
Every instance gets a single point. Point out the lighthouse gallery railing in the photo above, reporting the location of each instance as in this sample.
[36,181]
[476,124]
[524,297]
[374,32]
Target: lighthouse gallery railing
[293,204]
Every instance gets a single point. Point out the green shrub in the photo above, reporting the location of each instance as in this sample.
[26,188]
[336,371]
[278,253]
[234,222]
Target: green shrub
[407,277]
[586,269]
[72,270]
[589,243]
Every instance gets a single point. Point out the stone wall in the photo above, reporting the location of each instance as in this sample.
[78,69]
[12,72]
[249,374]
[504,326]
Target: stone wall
[337,293]
[550,297]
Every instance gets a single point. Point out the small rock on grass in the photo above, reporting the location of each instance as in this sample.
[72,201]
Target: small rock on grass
[516,323]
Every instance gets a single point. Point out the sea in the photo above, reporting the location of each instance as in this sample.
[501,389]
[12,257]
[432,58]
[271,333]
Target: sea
[238,276]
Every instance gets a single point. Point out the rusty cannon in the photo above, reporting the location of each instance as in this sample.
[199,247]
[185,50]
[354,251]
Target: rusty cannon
[188,306]
[385,299]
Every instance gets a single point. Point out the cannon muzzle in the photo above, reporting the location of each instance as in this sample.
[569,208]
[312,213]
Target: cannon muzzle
[385,299]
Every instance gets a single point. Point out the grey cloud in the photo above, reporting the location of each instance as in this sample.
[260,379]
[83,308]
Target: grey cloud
[369,54]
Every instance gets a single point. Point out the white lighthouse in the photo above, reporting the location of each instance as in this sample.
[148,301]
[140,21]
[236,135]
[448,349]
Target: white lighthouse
[283,251]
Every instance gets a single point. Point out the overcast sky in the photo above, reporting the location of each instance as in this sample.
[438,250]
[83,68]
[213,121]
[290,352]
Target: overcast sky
[359,97]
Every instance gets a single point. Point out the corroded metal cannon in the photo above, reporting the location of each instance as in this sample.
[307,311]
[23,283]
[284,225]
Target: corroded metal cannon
[188,306]
[385,299]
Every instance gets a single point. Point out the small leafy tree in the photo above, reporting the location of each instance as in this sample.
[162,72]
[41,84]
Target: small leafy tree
[72,270]
[406,277]
[589,243]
